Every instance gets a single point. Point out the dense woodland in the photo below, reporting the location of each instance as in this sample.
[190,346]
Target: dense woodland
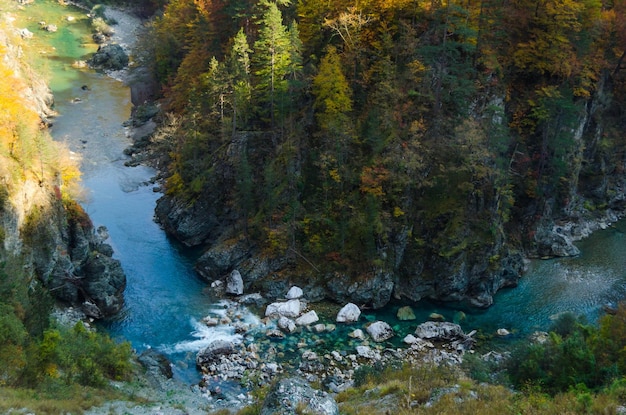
[426,139]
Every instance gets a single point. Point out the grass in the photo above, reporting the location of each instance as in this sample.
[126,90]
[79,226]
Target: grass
[446,391]
[53,399]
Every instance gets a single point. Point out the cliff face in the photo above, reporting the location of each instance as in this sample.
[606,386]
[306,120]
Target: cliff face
[41,226]
[59,248]
[465,256]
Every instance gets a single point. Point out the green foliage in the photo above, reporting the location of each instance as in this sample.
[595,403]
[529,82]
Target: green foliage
[78,356]
[576,357]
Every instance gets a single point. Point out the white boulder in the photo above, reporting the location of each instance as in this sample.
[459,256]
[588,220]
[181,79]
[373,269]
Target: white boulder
[349,313]
[307,318]
[289,309]
[380,331]
[294,293]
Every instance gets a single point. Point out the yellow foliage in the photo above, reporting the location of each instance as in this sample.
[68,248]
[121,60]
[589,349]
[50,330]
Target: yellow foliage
[52,370]
[14,114]
[397,212]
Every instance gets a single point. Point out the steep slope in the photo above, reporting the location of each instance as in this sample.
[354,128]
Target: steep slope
[389,149]
[47,237]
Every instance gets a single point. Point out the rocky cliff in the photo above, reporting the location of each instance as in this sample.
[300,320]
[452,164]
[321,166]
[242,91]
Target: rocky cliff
[429,167]
[439,258]
[41,226]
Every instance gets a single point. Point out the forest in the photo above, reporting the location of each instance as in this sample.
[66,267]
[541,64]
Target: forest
[433,144]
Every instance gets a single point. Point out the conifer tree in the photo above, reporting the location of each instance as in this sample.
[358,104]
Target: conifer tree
[239,66]
[272,60]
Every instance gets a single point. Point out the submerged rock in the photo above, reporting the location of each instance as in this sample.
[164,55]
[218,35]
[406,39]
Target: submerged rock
[293,395]
[405,313]
[436,317]
[503,332]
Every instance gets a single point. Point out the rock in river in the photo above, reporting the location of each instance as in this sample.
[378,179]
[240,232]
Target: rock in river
[234,283]
[213,351]
[289,309]
[380,331]
[348,314]
[110,57]
[307,318]
[406,313]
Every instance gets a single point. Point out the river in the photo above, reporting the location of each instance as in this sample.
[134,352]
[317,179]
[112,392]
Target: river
[165,298]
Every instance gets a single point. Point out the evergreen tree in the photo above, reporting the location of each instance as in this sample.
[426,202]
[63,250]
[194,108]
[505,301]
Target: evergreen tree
[239,67]
[272,59]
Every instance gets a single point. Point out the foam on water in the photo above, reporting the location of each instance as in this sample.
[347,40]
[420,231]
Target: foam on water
[204,336]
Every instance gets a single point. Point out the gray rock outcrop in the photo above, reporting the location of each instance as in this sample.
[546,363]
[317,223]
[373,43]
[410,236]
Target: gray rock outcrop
[374,291]
[156,363]
[109,57]
[439,330]
[214,351]
[442,331]
[81,272]
[293,395]
[234,283]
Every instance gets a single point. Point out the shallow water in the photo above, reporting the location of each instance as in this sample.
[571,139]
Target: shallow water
[164,298]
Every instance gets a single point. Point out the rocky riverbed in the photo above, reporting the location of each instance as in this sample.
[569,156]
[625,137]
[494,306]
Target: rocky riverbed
[289,339]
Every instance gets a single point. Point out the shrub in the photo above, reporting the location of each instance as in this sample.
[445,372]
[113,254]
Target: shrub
[77,356]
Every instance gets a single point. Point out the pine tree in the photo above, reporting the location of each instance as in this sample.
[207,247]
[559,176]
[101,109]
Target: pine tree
[239,67]
[272,60]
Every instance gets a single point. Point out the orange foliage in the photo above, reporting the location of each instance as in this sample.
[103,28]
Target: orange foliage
[372,180]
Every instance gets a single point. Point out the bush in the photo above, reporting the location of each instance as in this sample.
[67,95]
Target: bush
[78,356]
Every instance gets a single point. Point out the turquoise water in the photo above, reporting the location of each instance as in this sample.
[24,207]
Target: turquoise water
[165,299]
